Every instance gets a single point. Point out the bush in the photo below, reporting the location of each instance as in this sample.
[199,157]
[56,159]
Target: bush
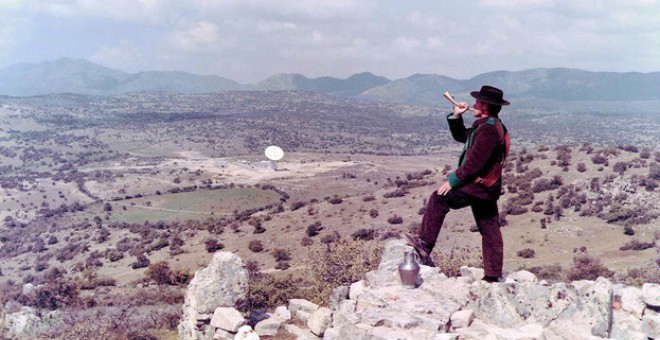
[314,229]
[364,234]
[297,205]
[335,200]
[599,159]
[395,219]
[142,262]
[306,241]
[586,267]
[628,230]
[213,245]
[340,263]
[160,273]
[637,245]
[526,253]
[373,213]
[256,246]
[281,255]
[548,272]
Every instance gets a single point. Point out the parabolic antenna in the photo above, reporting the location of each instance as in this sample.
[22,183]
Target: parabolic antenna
[274,153]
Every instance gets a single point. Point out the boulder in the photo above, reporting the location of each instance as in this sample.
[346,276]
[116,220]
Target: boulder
[221,284]
[319,321]
[462,319]
[268,326]
[651,326]
[651,294]
[522,276]
[228,319]
[246,333]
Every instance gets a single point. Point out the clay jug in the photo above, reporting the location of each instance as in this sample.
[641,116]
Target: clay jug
[409,269]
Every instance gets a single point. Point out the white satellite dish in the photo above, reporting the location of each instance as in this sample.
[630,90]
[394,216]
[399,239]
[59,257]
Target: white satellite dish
[274,153]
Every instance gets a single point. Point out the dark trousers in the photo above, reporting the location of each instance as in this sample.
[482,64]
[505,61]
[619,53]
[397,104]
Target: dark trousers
[485,214]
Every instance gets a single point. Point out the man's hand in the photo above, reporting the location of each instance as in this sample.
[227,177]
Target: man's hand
[460,109]
[444,188]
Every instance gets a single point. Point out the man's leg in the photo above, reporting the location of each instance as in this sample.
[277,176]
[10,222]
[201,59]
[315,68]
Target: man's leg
[437,208]
[488,221]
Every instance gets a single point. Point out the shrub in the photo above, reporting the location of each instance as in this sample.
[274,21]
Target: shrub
[335,200]
[256,246]
[637,245]
[581,167]
[267,291]
[142,262]
[395,219]
[364,234]
[586,267]
[160,273]
[54,295]
[306,241]
[340,263]
[628,230]
[283,265]
[213,245]
[598,159]
[548,272]
[373,213]
[330,238]
[369,198]
[281,255]
[297,205]
[526,253]
[314,229]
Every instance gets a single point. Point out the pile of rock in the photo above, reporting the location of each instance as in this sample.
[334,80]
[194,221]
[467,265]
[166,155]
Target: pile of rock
[439,308]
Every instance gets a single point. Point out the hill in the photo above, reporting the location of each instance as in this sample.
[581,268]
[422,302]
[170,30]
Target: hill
[547,87]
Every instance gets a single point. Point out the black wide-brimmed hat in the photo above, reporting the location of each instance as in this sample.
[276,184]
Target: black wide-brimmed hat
[490,95]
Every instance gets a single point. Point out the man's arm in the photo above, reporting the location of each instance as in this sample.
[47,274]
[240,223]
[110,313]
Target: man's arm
[456,125]
[486,139]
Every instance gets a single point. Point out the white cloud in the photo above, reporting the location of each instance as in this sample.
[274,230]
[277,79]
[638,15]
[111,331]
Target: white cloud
[197,37]
[125,56]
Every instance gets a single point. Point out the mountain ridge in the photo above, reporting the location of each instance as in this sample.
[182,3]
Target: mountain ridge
[81,76]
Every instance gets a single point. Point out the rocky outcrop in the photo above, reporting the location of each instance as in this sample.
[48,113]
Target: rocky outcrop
[464,307]
[221,284]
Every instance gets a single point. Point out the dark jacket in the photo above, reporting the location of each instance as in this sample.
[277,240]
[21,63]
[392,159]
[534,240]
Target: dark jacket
[484,147]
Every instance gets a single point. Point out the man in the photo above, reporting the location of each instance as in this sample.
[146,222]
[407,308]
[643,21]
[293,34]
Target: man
[476,182]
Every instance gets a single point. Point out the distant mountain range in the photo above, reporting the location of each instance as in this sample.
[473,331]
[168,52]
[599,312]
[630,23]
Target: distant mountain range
[84,77]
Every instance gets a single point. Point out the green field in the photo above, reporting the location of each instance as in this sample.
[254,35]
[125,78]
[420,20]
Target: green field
[191,205]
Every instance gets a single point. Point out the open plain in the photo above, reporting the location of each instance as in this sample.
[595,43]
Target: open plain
[97,191]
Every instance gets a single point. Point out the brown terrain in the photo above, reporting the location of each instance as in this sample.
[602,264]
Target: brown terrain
[116,201]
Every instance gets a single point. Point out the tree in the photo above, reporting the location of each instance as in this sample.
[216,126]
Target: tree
[160,273]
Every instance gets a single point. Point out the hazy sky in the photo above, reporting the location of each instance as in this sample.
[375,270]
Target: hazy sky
[249,40]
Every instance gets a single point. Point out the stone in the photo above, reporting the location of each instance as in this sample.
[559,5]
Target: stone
[268,326]
[28,288]
[246,333]
[445,336]
[651,294]
[302,315]
[300,333]
[631,300]
[472,274]
[22,324]
[221,334]
[462,319]
[626,326]
[356,289]
[221,284]
[282,313]
[338,295]
[228,319]
[651,326]
[319,321]
[300,304]
[522,276]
